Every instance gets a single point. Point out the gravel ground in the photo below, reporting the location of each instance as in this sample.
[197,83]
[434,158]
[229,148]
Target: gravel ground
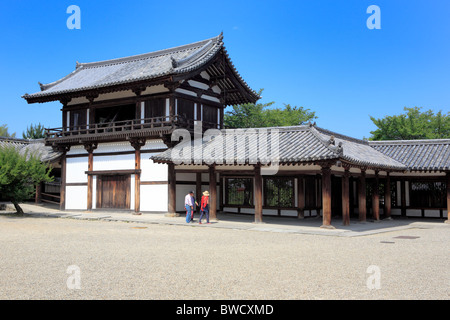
[119,260]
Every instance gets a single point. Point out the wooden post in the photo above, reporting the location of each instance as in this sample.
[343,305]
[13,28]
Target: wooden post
[346,198]
[90,180]
[326,197]
[62,200]
[387,197]
[403,196]
[90,147]
[172,191]
[38,196]
[376,198]
[137,181]
[212,193]
[300,197]
[258,194]
[198,189]
[362,196]
[448,198]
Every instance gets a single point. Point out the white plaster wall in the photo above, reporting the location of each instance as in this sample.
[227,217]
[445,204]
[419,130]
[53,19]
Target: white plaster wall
[152,171]
[290,213]
[432,213]
[77,150]
[114,162]
[154,198]
[154,144]
[75,170]
[413,212]
[270,212]
[113,147]
[76,197]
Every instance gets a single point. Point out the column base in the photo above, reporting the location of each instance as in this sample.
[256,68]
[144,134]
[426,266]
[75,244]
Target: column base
[327,226]
[172,215]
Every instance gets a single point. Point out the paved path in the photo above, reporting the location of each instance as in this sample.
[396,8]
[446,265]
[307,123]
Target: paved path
[245,222]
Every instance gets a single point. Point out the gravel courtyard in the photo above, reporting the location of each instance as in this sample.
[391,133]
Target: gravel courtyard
[119,260]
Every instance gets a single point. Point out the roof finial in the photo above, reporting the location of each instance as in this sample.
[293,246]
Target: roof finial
[41,86]
[77,65]
[174,62]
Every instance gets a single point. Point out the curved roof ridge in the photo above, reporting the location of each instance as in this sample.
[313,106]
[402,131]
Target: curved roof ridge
[340,136]
[408,142]
[147,55]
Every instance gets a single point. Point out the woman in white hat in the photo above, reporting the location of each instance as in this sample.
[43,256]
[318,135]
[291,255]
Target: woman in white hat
[204,207]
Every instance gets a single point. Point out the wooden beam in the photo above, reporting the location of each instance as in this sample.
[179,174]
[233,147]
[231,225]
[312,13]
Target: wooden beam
[362,196]
[346,198]
[376,198]
[387,197]
[258,194]
[326,197]
[300,197]
[212,193]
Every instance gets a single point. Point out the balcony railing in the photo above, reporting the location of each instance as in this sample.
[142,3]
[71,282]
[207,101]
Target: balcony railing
[164,123]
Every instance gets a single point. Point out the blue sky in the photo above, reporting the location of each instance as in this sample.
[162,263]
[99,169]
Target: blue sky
[316,54]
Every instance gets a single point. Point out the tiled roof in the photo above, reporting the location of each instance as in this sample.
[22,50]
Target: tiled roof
[417,154]
[359,152]
[296,144]
[46,154]
[168,62]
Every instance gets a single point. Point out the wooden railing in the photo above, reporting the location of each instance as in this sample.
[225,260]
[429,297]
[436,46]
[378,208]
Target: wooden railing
[175,121]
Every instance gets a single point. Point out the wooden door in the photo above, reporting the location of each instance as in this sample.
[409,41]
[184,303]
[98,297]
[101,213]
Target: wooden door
[113,191]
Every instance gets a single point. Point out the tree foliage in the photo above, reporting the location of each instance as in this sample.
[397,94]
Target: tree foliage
[34,132]
[411,125]
[250,115]
[19,175]
[4,132]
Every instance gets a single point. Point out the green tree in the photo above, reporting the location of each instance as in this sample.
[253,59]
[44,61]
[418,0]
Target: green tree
[4,132]
[251,115]
[411,125]
[34,132]
[19,175]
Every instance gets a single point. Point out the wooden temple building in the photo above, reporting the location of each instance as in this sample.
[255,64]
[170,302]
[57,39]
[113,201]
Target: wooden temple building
[121,125]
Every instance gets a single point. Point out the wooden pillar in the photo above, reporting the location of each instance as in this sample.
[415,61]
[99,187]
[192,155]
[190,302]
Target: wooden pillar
[387,197]
[198,189]
[62,200]
[300,197]
[90,180]
[137,144]
[326,197]
[90,147]
[376,198]
[172,190]
[38,195]
[403,196]
[258,194]
[212,193]
[362,196]
[137,181]
[346,197]
[448,198]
